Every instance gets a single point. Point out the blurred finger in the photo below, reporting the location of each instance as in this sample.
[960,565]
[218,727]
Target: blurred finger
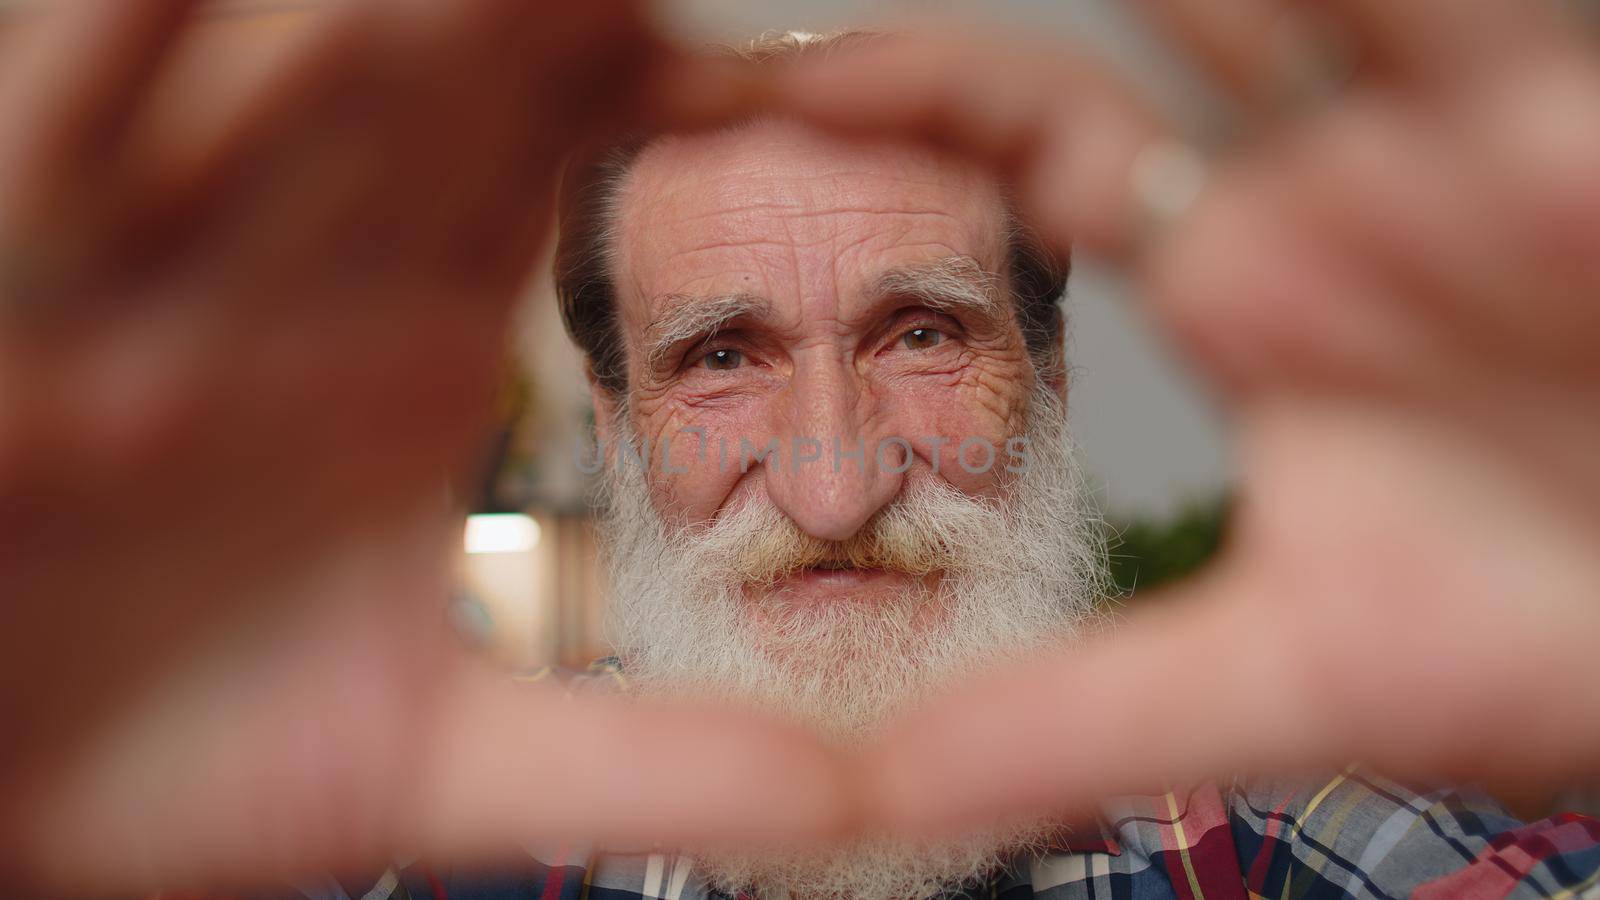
[688,92]
[469,105]
[80,76]
[295,778]
[518,94]
[1270,56]
[1452,42]
[1282,55]
[1065,131]
[1425,217]
[644,774]
[1129,714]
[1262,296]
[75,75]
[238,97]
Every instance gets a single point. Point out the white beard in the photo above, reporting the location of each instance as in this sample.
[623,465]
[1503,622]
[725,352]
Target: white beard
[1014,575]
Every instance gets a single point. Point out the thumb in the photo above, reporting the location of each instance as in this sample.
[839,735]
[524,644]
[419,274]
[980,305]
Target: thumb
[1167,698]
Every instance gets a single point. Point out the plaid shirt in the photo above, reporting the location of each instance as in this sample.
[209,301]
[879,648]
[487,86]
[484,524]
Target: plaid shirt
[1354,835]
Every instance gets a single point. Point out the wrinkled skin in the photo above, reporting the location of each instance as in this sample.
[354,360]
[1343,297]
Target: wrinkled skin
[809,225]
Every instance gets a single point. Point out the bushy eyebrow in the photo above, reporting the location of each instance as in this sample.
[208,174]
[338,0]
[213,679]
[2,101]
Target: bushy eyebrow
[951,284]
[690,318]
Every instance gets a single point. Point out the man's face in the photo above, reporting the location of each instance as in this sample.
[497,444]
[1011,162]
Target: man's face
[841,305]
[775,285]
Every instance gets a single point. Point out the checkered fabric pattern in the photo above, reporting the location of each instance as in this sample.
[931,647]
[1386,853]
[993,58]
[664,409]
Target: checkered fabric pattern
[1355,834]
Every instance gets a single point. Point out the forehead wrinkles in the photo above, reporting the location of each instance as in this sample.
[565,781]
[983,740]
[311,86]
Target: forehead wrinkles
[695,209]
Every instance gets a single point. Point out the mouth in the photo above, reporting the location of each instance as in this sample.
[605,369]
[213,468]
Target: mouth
[843,570]
[827,581]
[842,574]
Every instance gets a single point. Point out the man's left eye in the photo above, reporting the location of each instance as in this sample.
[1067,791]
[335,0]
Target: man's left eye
[722,360]
[922,338]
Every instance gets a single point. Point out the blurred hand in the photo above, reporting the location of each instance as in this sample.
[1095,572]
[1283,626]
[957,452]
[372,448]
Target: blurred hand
[252,299]
[1394,294]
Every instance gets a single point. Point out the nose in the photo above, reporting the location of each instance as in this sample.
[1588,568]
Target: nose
[831,476]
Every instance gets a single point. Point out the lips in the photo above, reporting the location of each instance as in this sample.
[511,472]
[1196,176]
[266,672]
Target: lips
[839,581]
[842,574]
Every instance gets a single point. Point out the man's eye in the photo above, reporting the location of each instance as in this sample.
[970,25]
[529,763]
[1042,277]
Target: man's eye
[922,338]
[723,360]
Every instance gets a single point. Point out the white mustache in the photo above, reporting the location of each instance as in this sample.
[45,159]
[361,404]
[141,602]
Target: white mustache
[931,527]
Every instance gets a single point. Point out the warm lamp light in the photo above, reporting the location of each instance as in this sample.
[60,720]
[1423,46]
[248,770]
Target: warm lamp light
[501,533]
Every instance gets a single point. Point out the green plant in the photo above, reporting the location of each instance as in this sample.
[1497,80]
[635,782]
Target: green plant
[1146,553]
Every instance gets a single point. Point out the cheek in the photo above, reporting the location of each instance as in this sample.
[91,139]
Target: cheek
[961,430]
[699,454]
[959,423]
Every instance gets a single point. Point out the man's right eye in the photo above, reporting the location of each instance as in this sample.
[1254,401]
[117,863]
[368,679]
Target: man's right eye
[722,360]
